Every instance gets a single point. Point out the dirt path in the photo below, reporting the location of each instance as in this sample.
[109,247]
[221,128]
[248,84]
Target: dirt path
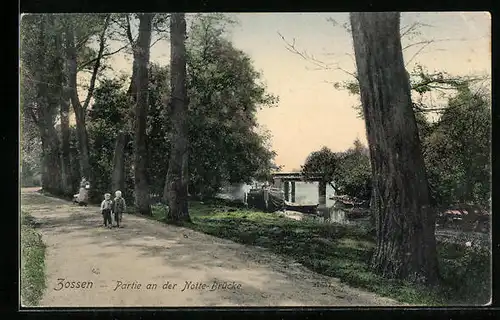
[148,252]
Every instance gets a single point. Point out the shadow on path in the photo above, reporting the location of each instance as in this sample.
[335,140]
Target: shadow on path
[148,250]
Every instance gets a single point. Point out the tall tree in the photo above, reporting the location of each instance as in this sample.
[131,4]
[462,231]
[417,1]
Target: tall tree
[66,174]
[42,74]
[74,42]
[176,185]
[225,92]
[123,22]
[141,60]
[118,175]
[406,244]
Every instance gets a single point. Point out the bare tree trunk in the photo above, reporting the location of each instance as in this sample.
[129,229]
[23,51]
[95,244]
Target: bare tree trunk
[118,176]
[51,168]
[141,55]
[176,185]
[65,101]
[65,146]
[406,245]
[81,129]
[48,99]
[83,144]
[79,108]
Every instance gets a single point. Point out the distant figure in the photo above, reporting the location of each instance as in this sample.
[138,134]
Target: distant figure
[82,197]
[106,207]
[246,191]
[119,207]
[265,189]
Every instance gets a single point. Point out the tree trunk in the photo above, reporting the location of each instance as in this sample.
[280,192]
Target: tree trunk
[83,144]
[65,146]
[176,186]
[83,147]
[51,172]
[49,70]
[118,176]
[141,55]
[406,244]
[79,108]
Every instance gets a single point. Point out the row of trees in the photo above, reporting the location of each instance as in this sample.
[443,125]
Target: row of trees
[197,113]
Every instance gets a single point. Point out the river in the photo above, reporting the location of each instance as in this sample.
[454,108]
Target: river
[305,193]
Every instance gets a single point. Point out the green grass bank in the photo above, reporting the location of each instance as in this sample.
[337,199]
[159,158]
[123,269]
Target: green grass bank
[32,262]
[344,252]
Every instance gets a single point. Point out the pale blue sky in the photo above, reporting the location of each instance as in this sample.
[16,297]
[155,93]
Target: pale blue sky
[311,113]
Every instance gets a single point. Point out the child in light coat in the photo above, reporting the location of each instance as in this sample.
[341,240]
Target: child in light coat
[106,207]
[119,207]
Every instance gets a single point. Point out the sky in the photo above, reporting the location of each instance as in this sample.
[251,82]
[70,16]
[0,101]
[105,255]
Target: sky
[311,112]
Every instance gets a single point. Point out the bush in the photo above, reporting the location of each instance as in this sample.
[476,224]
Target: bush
[466,271]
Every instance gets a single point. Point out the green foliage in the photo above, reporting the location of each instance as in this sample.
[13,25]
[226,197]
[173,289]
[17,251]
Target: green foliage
[323,161]
[32,262]
[466,271]
[107,117]
[457,151]
[30,153]
[350,171]
[353,175]
[456,148]
[158,123]
[225,92]
[41,57]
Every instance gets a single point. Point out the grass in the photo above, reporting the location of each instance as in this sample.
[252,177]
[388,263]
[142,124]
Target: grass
[32,262]
[344,252]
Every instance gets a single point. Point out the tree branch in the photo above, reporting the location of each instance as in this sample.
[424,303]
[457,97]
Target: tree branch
[107,54]
[322,66]
[129,31]
[102,39]
[84,40]
[154,42]
[418,52]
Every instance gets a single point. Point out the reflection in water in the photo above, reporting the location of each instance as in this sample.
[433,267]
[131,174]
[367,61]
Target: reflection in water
[332,215]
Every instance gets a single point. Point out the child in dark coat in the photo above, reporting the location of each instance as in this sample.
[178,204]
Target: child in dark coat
[106,207]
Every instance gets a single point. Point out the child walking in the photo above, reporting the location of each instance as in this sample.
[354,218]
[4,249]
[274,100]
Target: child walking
[106,207]
[119,207]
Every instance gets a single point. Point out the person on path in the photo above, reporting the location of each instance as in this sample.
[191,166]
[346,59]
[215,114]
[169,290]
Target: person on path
[106,207]
[83,195]
[119,207]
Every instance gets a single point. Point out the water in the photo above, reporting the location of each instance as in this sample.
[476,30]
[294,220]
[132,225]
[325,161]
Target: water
[305,193]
